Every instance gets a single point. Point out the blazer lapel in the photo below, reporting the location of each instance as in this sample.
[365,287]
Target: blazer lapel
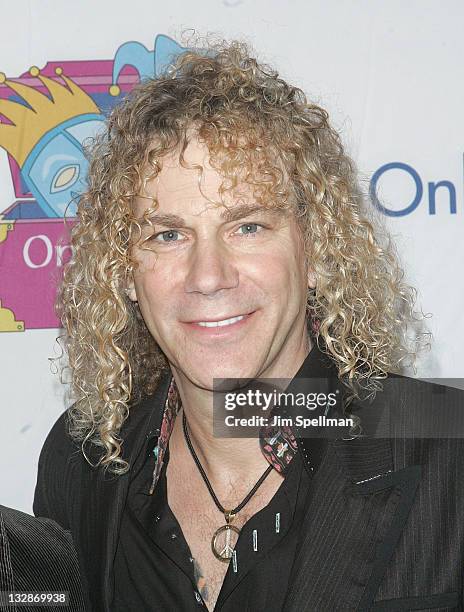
[104,497]
[355,515]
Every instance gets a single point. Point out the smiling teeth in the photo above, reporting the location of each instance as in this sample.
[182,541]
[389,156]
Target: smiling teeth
[221,323]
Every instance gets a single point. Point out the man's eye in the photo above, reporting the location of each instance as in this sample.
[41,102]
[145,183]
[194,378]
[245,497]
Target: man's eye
[250,228]
[166,236]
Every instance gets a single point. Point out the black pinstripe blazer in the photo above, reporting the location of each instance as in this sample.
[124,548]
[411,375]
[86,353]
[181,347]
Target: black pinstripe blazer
[384,521]
[37,555]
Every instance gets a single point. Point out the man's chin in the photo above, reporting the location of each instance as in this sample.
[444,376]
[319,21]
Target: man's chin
[224,378]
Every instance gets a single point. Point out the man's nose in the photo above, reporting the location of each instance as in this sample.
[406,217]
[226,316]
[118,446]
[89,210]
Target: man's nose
[210,268]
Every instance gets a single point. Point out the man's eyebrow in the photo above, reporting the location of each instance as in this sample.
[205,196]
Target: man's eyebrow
[245,210]
[167,220]
[233,213]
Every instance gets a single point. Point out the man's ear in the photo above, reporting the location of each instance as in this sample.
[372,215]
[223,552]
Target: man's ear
[130,291]
[311,279]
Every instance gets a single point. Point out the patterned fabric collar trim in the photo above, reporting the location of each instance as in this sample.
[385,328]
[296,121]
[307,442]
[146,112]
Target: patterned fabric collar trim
[278,444]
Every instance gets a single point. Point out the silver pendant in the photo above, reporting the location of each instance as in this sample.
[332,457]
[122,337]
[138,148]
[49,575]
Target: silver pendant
[223,548]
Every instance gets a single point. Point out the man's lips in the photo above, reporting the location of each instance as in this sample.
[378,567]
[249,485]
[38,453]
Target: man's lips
[221,318]
[219,326]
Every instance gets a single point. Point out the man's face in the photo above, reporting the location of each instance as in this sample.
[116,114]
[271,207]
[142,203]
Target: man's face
[245,272]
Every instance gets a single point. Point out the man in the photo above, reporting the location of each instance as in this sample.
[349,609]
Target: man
[222,237]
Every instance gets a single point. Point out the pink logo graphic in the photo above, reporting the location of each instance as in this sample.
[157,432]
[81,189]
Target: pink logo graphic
[46,117]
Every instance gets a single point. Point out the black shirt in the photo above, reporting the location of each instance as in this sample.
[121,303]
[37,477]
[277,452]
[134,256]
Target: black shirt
[154,569]
[153,566]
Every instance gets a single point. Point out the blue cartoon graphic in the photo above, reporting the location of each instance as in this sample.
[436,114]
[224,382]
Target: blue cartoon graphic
[147,63]
[45,139]
[46,131]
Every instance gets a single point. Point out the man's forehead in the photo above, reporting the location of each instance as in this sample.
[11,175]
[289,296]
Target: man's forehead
[191,185]
[180,190]
[193,175]
[191,202]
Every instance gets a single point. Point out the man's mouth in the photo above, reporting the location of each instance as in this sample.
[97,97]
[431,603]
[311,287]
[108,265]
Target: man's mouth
[221,323]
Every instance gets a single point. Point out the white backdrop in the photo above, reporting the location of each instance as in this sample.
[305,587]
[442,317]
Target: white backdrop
[389,72]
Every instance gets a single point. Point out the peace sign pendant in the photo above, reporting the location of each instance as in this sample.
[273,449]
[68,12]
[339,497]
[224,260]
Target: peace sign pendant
[224,539]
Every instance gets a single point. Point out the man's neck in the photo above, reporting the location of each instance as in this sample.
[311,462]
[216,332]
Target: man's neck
[222,458]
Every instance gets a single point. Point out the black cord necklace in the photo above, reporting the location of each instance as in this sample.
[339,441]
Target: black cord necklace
[223,553]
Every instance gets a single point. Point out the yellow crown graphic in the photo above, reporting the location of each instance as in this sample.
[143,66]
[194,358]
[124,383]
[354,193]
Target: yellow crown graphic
[31,122]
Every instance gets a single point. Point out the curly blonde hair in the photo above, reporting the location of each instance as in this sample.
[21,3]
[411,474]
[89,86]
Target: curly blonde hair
[254,124]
